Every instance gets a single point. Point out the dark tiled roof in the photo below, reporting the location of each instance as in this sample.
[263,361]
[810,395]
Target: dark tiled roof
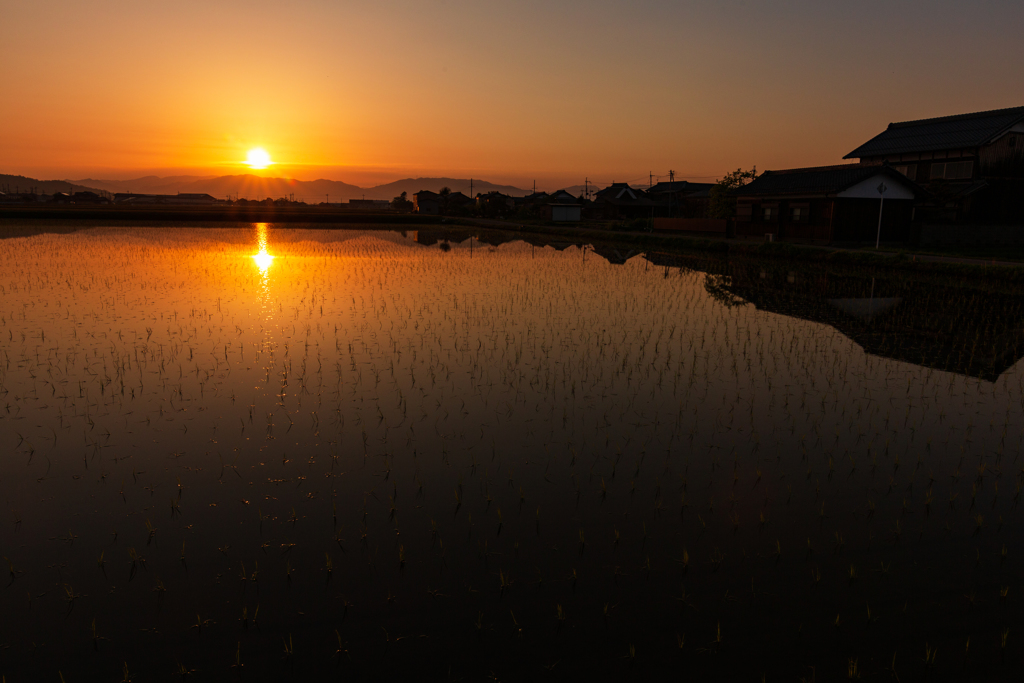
[816,181]
[561,198]
[947,132]
[613,192]
[679,186]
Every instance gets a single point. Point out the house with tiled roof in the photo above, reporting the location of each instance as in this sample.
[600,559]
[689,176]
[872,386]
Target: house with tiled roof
[972,164]
[561,206]
[682,198]
[828,204]
[620,201]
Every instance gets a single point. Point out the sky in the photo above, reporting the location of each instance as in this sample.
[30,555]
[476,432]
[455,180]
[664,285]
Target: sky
[511,91]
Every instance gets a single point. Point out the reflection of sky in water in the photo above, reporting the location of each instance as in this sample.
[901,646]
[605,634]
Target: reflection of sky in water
[437,425]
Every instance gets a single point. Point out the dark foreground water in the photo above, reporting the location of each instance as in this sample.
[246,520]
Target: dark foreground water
[431,456]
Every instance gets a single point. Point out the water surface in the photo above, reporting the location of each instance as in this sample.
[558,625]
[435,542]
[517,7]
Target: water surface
[279,453]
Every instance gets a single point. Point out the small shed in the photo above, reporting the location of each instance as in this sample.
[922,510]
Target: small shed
[561,207]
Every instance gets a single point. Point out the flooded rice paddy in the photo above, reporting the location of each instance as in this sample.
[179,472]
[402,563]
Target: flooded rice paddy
[280,454]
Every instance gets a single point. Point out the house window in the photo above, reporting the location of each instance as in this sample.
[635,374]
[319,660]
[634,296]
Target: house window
[798,214]
[910,171]
[767,215]
[960,170]
[952,170]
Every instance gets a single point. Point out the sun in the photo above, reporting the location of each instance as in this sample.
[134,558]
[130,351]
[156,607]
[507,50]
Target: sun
[258,158]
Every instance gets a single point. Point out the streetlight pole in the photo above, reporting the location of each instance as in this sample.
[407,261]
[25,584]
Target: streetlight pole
[881,205]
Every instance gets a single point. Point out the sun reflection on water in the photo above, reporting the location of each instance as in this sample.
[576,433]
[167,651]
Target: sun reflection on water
[262,257]
[263,260]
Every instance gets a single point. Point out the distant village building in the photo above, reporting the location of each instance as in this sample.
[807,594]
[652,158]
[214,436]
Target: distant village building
[427,202]
[620,201]
[372,204]
[560,206]
[495,199]
[436,204]
[827,204]
[88,198]
[457,203]
[681,198]
[185,198]
[971,164]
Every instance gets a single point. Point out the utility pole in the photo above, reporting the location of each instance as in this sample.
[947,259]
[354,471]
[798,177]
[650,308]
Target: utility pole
[470,187]
[650,180]
[535,187]
[881,205]
[671,176]
[586,188]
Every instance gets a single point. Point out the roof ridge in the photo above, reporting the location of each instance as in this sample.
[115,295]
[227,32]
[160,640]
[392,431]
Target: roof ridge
[958,117]
[834,167]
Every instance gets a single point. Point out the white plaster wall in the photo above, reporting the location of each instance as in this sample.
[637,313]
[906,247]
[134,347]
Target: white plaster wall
[868,189]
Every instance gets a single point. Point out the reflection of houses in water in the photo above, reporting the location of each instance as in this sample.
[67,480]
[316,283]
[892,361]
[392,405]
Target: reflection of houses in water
[495,239]
[615,255]
[967,331]
[558,244]
[431,237]
[681,261]
[865,309]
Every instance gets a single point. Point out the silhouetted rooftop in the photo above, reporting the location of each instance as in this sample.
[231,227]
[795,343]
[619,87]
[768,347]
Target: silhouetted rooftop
[816,181]
[946,132]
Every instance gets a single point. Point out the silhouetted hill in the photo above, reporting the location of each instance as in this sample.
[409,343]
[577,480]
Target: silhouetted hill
[245,186]
[311,191]
[19,183]
[579,190]
[256,187]
[147,185]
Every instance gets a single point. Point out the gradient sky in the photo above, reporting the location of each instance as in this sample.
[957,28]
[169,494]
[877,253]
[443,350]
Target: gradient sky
[369,91]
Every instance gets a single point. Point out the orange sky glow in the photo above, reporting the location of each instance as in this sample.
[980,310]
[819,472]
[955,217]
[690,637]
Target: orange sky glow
[509,91]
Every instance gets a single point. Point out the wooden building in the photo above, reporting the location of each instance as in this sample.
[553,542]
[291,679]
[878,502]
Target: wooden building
[560,206]
[620,201]
[427,202]
[827,204]
[369,204]
[182,198]
[971,164]
[681,198]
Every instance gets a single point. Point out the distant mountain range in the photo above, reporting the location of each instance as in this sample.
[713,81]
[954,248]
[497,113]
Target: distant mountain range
[20,184]
[256,187]
[310,191]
